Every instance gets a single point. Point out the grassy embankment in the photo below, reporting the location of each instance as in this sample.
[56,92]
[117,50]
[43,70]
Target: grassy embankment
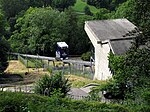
[80,5]
[17,68]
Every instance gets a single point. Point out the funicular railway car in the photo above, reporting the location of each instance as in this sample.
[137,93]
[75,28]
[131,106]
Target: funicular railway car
[61,51]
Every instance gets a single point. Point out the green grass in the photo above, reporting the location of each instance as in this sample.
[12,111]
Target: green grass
[32,63]
[79,7]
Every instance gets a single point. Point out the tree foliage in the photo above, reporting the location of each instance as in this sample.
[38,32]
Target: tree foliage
[77,39]
[103,14]
[12,7]
[4,47]
[138,12]
[131,74]
[87,11]
[126,10]
[39,30]
[142,17]
[39,34]
[108,4]
[2,24]
[62,4]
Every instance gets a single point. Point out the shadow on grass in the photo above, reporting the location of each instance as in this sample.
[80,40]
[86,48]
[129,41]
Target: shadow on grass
[10,78]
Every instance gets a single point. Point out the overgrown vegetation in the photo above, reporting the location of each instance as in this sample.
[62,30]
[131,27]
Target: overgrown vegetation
[18,102]
[4,48]
[48,85]
[34,34]
[86,56]
[40,35]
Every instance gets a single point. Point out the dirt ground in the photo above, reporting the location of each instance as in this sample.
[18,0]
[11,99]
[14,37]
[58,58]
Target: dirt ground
[17,73]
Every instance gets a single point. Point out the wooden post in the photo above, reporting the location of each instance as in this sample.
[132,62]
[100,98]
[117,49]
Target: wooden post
[69,68]
[53,63]
[92,72]
[63,68]
[48,63]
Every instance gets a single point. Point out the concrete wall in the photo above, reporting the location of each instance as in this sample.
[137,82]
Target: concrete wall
[102,72]
[101,56]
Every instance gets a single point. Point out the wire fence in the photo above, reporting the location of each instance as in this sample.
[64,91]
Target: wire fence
[73,67]
[80,70]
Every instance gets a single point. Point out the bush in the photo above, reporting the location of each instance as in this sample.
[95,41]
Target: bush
[19,102]
[86,56]
[49,84]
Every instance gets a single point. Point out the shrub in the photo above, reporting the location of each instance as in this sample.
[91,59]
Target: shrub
[19,102]
[48,84]
[86,56]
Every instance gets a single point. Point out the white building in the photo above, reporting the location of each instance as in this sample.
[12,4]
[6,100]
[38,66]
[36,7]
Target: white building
[109,35]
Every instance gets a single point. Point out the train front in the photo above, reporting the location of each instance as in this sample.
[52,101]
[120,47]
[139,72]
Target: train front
[62,51]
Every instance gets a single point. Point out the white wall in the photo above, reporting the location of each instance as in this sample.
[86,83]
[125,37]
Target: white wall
[102,71]
[101,56]
[91,35]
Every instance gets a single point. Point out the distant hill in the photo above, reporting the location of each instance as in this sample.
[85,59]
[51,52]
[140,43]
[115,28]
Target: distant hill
[80,5]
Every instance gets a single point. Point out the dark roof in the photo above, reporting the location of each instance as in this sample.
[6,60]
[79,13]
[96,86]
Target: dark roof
[119,47]
[118,32]
[110,29]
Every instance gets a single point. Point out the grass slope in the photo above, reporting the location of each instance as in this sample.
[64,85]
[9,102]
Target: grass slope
[17,68]
[79,7]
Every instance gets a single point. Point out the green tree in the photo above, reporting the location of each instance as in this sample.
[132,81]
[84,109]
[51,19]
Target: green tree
[87,11]
[40,33]
[4,48]
[38,28]
[102,14]
[130,74]
[12,7]
[83,42]
[108,4]
[78,40]
[137,12]
[3,25]
[126,10]
[142,17]
[72,30]
[50,84]
[62,4]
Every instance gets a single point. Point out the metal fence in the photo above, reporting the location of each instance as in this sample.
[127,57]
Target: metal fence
[75,67]
[17,88]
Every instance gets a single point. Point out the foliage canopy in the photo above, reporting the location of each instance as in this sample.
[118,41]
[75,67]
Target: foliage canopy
[4,48]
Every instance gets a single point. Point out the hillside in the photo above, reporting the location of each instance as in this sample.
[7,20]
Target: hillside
[80,5]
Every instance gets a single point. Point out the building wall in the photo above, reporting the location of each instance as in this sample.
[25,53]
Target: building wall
[102,71]
[101,57]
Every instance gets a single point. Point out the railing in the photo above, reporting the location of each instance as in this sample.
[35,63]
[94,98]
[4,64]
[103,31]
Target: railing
[75,67]
[14,88]
[76,97]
